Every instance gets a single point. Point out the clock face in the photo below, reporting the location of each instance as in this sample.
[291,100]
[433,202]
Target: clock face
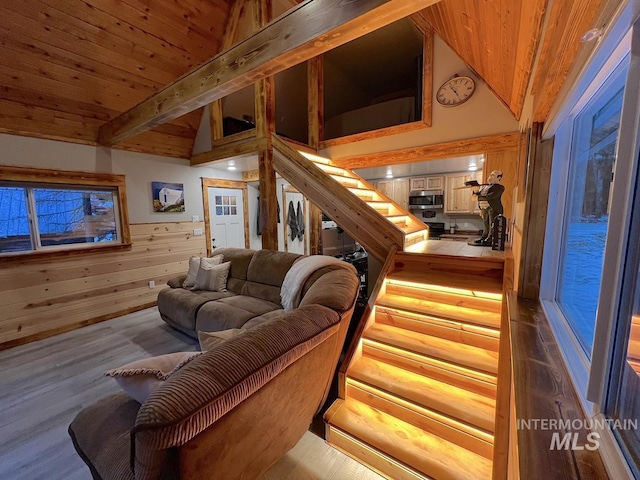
[455,91]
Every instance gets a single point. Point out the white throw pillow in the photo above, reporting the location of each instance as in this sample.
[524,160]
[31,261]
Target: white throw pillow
[194,266]
[138,379]
[212,277]
[208,340]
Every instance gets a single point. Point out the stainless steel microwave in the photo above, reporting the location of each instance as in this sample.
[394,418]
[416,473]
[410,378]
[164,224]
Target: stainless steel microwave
[426,199]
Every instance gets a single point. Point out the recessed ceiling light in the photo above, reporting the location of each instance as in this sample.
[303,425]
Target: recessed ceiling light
[231,165]
[389,173]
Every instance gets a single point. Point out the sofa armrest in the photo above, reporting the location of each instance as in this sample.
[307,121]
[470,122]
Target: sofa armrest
[216,382]
[176,282]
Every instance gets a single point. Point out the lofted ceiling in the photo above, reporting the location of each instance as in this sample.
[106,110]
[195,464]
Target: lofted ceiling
[67,67]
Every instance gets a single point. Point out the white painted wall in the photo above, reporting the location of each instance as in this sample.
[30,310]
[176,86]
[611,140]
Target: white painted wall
[140,169]
[482,115]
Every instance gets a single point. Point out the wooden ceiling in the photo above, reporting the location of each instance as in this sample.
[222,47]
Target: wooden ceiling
[67,67]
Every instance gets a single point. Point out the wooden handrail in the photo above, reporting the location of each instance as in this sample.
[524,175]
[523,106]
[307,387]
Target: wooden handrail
[357,218]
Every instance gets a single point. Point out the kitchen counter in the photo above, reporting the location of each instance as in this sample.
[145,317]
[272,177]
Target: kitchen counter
[460,237]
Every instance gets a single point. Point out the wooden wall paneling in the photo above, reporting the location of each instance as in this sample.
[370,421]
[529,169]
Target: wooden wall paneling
[472,146]
[58,294]
[507,163]
[566,24]
[267,52]
[535,214]
[217,183]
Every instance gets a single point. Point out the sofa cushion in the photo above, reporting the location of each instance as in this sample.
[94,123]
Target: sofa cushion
[231,312]
[261,319]
[195,263]
[212,277]
[269,267]
[209,340]
[101,434]
[239,258]
[270,293]
[181,306]
[334,290]
[141,377]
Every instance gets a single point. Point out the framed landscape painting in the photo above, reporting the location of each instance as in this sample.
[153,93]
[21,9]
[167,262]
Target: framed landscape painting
[167,197]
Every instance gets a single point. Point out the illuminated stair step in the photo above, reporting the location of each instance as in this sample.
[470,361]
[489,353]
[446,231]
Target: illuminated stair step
[333,170]
[455,331]
[438,294]
[466,355]
[481,274]
[457,375]
[363,193]
[365,432]
[397,219]
[472,439]
[467,407]
[435,309]
[347,181]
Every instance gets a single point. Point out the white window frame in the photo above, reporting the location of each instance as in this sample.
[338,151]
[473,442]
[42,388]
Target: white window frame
[590,378]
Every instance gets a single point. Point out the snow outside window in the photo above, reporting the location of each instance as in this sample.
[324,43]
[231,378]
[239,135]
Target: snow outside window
[593,155]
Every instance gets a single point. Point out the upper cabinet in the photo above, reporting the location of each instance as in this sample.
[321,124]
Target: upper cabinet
[397,190]
[460,200]
[426,183]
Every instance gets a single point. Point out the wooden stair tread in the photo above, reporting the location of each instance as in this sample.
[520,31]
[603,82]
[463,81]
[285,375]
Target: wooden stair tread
[436,309]
[453,280]
[462,405]
[431,455]
[470,356]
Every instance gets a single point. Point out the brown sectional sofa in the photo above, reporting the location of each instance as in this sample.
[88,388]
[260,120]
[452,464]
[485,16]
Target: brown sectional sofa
[235,410]
[253,295]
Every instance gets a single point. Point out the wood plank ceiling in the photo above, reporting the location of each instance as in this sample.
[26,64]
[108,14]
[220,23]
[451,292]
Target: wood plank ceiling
[67,67]
[496,38]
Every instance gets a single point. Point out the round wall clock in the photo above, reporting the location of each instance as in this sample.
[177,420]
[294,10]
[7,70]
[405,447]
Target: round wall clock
[455,91]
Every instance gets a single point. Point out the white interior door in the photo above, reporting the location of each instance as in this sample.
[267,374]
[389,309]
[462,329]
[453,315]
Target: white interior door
[226,217]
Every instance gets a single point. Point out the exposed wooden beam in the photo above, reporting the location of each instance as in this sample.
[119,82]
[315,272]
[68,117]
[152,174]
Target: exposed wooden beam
[215,120]
[311,28]
[251,176]
[472,146]
[250,145]
[315,105]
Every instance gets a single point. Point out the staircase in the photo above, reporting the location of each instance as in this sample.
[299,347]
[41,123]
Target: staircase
[417,398]
[369,216]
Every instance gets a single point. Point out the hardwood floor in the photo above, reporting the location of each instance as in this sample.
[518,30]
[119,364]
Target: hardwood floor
[45,383]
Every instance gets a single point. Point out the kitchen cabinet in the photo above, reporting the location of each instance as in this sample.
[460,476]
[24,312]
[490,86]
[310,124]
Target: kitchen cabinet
[426,183]
[397,190]
[460,200]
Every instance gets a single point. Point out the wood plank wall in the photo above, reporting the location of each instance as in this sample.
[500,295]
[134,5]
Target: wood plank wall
[43,298]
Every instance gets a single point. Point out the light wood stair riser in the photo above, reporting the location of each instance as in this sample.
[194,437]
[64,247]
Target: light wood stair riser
[467,407]
[483,274]
[462,314]
[458,376]
[464,355]
[459,300]
[333,170]
[406,444]
[482,337]
[476,441]
[347,181]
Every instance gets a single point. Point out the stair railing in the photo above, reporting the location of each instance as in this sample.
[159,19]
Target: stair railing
[358,219]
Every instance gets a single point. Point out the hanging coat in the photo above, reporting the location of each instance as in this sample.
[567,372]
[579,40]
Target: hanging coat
[258,224]
[300,222]
[292,220]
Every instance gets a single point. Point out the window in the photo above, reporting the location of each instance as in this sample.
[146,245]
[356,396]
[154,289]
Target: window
[59,214]
[226,205]
[593,154]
